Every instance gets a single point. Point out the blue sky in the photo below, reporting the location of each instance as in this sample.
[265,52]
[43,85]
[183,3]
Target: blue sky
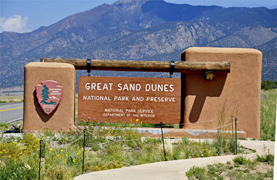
[28,15]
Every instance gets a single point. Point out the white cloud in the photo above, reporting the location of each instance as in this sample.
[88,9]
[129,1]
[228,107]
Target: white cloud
[15,23]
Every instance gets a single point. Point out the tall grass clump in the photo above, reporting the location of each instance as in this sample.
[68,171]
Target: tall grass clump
[225,137]
[268,114]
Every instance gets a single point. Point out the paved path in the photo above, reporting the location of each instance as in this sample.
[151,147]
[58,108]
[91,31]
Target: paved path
[10,112]
[171,170]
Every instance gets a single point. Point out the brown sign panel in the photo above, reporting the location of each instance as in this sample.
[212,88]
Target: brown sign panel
[151,100]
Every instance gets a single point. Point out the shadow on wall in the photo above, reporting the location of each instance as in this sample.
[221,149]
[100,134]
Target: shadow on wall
[195,85]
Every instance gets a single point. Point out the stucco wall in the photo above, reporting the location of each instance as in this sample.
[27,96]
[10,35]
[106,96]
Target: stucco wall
[237,91]
[34,117]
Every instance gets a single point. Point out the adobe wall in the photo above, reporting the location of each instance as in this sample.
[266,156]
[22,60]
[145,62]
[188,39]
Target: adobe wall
[237,91]
[34,116]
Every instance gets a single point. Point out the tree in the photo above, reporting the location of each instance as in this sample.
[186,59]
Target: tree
[268,85]
[45,96]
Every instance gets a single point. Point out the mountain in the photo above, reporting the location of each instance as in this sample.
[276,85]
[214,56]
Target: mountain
[141,30]
[165,38]
[247,37]
[269,50]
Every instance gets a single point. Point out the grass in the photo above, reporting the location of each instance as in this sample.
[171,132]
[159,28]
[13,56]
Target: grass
[11,99]
[240,168]
[225,142]
[268,114]
[4,126]
[108,145]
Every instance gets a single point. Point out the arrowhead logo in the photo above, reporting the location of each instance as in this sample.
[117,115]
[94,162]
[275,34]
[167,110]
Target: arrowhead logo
[49,95]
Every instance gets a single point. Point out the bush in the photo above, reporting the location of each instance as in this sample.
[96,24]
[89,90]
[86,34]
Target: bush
[241,160]
[10,151]
[196,172]
[57,172]
[268,85]
[30,142]
[266,158]
[4,125]
[132,139]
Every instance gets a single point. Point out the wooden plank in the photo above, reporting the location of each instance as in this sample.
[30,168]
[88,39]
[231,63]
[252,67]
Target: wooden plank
[151,100]
[148,66]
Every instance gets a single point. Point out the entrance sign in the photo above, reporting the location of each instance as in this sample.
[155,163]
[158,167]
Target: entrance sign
[151,100]
[49,95]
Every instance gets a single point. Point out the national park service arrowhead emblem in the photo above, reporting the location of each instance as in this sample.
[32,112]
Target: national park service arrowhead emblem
[49,95]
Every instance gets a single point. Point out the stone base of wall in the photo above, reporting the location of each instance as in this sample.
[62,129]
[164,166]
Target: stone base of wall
[190,133]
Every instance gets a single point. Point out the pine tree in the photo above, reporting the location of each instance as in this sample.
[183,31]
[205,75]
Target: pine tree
[45,96]
[45,93]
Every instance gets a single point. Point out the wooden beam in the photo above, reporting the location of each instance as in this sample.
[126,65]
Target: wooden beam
[148,66]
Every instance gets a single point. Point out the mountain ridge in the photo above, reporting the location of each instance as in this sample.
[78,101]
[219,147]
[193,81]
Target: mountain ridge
[140,30]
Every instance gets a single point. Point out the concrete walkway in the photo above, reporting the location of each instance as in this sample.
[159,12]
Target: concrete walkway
[172,170]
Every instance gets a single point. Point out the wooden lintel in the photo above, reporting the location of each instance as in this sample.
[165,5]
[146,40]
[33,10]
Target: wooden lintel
[148,66]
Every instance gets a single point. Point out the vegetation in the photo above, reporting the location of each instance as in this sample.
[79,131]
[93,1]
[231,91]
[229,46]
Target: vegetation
[241,168]
[268,85]
[268,114]
[4,126]
[225,142]
[9,99]
[108,145]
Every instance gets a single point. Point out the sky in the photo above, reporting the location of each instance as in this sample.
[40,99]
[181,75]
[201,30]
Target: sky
[28,15]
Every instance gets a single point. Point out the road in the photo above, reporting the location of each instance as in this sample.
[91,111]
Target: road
[11,111]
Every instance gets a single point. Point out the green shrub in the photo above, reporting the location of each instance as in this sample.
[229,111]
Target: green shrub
[30,142]
[196,172]
[185,140]
[4,125]
[206,152]
[268,85]
[266,158]
[57,173]
[231,143]
[132,139]
[10,150]
[215,171]
[241,160]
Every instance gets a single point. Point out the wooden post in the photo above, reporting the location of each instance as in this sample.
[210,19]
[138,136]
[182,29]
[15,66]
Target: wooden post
[148,66]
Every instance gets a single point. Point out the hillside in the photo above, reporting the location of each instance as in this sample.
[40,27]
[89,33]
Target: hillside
[141,30]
